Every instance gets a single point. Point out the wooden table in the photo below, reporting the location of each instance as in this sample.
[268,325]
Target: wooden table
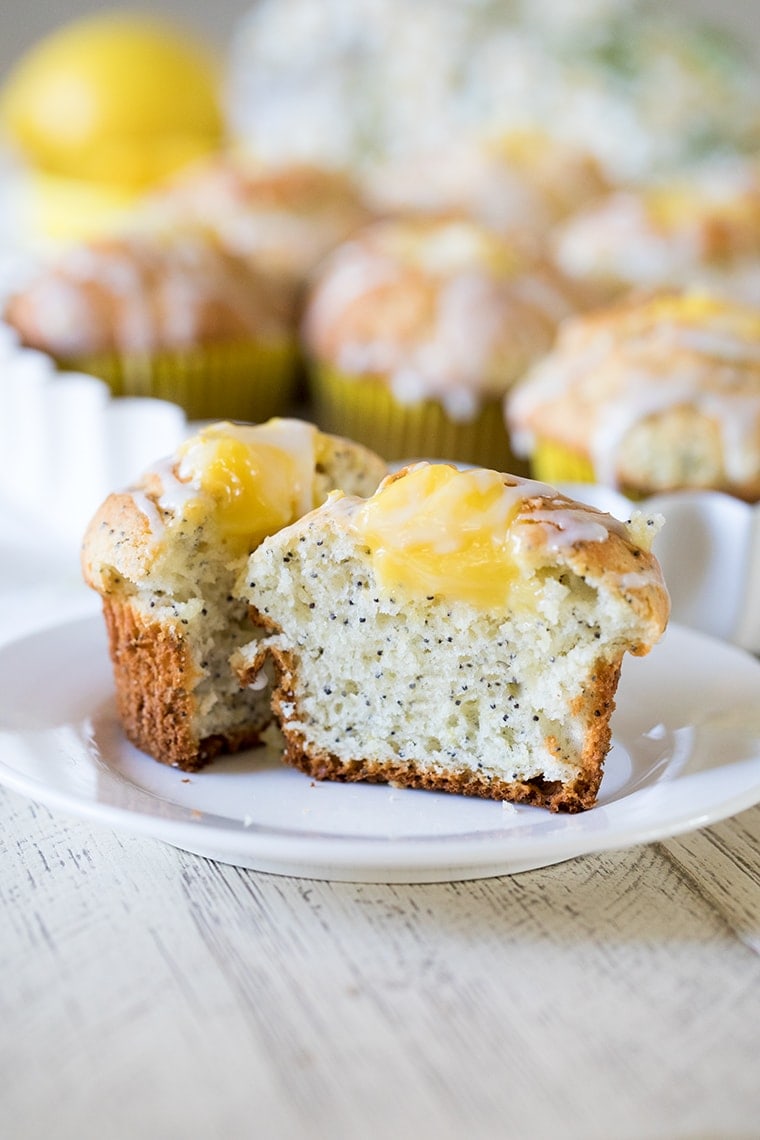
[151,993]
[147,992]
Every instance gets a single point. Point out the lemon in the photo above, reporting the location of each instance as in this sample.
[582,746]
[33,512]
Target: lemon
[117,100]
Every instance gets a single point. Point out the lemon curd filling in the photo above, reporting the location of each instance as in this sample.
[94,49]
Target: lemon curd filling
[255,480]
[440,531]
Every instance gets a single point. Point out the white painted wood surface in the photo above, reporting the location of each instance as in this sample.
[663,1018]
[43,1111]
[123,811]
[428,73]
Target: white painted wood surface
[148,992]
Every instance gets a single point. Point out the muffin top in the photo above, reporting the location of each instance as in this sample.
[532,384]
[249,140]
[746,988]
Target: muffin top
[218,495]
[142,293]
[701,230]
[282,218]
[660,392]
[477,535]
[441,308]
[349,83]
[520,181]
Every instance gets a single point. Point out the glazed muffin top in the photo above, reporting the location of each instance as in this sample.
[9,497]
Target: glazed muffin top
[282,218]
[142,293]
[660,392]
[440,308]
[700,230]
[521,181]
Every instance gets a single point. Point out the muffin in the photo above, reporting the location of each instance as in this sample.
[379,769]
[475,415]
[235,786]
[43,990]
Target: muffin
[702,229]
[519,182]
[416,328]
[352,84]
[656,394]
[167,314]
[460,631]
[281,219]
[165,554]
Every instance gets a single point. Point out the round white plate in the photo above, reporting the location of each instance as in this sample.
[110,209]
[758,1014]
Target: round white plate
[686,752]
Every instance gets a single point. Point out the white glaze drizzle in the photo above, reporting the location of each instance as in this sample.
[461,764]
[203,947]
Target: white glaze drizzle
[180,484]
[636,372]
[479,306]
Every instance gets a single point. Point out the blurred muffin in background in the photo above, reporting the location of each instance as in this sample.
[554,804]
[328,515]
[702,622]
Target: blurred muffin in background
[96,113]
[701,229]
[350,85]
[168,315]
[415,329]
[522,182]
[655,394]
[282,219]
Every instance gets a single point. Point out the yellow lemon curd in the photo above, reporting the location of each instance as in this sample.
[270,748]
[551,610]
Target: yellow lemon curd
[440,531]
[254,479]
[116,98]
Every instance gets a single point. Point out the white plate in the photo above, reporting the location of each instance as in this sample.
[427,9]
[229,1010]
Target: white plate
[686,752]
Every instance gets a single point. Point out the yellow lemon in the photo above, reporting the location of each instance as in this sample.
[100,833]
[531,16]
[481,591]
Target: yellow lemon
[117,100]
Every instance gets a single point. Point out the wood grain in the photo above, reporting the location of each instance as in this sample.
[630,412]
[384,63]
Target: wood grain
[149,991]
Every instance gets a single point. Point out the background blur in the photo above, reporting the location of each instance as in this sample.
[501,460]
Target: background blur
[22,22]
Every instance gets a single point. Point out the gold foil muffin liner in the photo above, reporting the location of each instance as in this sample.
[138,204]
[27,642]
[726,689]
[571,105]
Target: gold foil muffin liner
[553,463]
[363,408]
[220,381]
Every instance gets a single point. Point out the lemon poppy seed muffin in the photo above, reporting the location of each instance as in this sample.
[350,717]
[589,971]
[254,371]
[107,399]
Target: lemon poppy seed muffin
[518,182]
[459,631]
[697,230]
[415,329]
[165,554]
[349,83]
[658,393]
[168,314]
[281,218]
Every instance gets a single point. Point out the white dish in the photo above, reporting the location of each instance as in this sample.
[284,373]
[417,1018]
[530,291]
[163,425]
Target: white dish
[66,442]
[686,752]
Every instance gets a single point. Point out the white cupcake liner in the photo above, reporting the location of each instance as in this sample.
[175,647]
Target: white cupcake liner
[66,443]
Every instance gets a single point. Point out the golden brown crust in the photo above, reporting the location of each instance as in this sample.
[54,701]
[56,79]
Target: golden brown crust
[118,537]
[154,676]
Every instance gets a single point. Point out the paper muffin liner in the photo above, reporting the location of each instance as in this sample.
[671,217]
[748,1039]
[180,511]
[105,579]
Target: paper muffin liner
[364,409]
[553,463]
[252,381]
[65,443]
